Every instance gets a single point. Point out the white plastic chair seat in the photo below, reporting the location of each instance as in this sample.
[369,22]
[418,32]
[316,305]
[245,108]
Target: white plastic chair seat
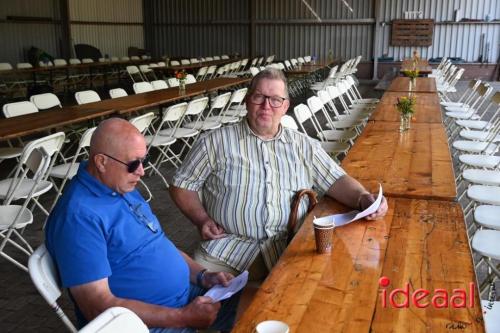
[485,194]
[335,147]
[480,161]
[203,126]
[487,243]
[345,124]
[10,152]
[115,319]
[477,135]
[336,135]
[367,101]
[223,119]
[473,124]
[475,146]
[179,133]
[159,140]
[24,188]
[456,108]
[483,177]
[8,214]
[60,171]
[459,115]
[491,316]
[236,113]
[487,216]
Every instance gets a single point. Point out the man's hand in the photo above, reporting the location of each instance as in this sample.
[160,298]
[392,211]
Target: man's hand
[210,279]
[200,313]
[211,230]
[366,199]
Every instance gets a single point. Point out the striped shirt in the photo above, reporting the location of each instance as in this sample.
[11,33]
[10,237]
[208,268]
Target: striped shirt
[248,185]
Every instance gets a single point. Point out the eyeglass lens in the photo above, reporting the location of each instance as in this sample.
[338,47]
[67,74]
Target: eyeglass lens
[274,101]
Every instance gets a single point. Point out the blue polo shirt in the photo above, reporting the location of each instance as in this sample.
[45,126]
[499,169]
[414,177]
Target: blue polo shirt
[94,233]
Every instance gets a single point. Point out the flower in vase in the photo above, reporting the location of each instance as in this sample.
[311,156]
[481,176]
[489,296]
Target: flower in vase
[412,74]
[180,75]
[406,105]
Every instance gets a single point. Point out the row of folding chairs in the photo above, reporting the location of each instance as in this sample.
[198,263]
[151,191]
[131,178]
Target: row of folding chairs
[472,121]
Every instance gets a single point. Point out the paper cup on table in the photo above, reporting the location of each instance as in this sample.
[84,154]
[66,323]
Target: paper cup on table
[272,326]
[323,233]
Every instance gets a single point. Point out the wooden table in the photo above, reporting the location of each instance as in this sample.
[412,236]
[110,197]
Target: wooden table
[422,243]
[413,164]
[38,122]
[422,66]
[424,84]
[427,108]
[15,127]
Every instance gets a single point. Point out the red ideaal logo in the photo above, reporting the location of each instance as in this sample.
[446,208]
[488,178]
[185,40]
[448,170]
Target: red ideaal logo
[439,299]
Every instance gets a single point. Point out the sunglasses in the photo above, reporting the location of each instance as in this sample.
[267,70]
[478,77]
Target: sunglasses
[132,166]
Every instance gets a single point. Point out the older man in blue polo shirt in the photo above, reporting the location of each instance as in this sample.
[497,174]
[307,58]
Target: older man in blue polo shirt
[110,249]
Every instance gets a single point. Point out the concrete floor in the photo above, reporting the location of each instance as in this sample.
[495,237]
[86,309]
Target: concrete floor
[22,309]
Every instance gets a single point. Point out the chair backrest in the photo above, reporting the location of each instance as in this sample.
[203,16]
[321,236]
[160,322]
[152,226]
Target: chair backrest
[174,63]
[103,60]
[194,61]
[175,112]
[132,69]
[197,106]
[144,68]
[201,73]
[44,276]
[87,61]
[60,62]
[254,71]
[315,104]
[142,87]
[45,101]
[125,58]
[216,58]
[74,61]
[22,65]
[210,72]
[117,92]
[224,56]
[238,96]
[159,84]
[46,63]
[142,122]
[209,58]
[289,122]
[18,109]
[173,82]
[114,59]
[185,62]
[116,319]
[86,96]
[135,58]
[5,66]
[190,79]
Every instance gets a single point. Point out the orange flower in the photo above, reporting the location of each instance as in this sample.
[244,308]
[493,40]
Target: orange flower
[180,75]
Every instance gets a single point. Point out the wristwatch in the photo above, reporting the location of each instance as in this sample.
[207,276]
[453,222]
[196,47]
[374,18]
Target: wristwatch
[199,277]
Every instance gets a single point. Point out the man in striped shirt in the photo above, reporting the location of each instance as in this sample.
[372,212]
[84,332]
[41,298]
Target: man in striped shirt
[248,174]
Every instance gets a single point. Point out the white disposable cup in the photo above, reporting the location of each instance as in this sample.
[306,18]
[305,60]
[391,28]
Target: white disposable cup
[272,326]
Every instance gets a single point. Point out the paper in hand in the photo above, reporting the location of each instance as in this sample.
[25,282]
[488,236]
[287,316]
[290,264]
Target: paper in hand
[346,218]
[219,292]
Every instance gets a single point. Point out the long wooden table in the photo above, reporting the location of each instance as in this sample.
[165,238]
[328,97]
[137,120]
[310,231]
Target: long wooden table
[424,84]
[413,164]
[37,122]
[420,243]
[427,108]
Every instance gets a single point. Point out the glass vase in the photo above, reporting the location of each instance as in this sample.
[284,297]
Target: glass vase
[404,122]
[182,86]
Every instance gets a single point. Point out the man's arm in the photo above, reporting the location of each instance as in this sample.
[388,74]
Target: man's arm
[95,297]
[190,205]
[350,192]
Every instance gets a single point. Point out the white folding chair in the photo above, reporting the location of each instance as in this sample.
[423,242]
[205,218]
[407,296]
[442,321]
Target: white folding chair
[197,107]
[135,74]
[18,109]
[159,84]
[18,186]
[44,275]
[15,217]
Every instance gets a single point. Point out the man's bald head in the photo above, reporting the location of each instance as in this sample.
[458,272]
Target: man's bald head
[112,136]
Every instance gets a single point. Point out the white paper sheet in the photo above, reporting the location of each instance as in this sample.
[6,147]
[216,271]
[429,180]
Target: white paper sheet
[346,218]
[219,292]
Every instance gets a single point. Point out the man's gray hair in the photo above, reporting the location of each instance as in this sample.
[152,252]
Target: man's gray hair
[270,74]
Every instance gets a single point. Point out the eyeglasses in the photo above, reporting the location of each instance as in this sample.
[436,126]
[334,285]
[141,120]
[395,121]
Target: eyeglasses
[133,165]
[143,218]
[274,101]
